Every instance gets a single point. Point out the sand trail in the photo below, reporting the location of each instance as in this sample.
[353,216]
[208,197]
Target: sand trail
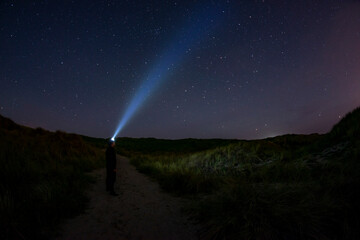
[141,211]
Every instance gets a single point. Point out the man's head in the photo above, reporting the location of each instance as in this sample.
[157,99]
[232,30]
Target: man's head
[111,143]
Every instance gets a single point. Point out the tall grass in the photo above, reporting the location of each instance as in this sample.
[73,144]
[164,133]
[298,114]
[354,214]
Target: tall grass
[42,179]
[289,187]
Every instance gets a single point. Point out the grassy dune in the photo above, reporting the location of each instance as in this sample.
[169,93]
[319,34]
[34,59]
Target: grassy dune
[42,179]
[287,187]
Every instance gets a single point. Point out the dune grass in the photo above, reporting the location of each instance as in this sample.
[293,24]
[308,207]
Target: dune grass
[288,187]
[42,179]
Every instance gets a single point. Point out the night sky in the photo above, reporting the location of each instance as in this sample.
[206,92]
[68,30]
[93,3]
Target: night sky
[239,69]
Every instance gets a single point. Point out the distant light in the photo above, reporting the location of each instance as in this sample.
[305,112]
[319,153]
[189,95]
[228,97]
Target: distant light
[272,135]
[113,139]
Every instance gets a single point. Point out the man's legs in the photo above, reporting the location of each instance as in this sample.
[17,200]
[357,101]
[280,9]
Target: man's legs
[110,182]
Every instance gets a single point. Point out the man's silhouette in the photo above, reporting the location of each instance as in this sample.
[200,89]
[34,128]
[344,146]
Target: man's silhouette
[111,168]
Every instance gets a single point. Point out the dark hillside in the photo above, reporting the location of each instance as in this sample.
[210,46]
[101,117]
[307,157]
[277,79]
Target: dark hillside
[287,187]
[127,146]
[8,124]
[348,128]
[96,142]
[295,141]
[42,179]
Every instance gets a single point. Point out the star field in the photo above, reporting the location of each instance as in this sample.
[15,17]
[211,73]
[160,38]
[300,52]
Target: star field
[266,68]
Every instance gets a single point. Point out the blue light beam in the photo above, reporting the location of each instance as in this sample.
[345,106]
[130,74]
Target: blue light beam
[205,22]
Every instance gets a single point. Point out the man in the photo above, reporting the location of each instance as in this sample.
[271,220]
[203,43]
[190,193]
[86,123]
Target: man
[111,168]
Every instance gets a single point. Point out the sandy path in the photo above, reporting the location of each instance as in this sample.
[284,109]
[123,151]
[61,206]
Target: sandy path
[141,211]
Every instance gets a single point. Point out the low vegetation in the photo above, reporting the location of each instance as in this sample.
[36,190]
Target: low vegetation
[42,179]
[153,146]
[287,187]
